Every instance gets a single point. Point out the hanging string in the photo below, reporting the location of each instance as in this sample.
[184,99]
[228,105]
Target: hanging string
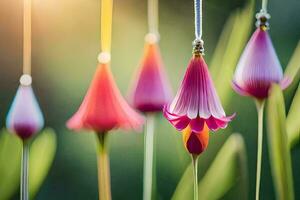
[198,44]
[27,37]
[198,19]
[106,25]
[263,16]
[153,16]
[264,6]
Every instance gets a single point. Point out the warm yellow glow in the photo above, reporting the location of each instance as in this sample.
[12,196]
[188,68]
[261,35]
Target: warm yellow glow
[27,37]
[106,24]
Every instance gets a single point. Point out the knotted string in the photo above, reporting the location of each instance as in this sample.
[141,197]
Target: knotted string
[263,16]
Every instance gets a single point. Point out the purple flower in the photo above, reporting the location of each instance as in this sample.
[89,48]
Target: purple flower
[151,90]
[25,117]
[258,67]
[197,102]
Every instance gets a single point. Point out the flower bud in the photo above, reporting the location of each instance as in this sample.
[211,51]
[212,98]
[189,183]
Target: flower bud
[25,117]
[258,67]
[195,142]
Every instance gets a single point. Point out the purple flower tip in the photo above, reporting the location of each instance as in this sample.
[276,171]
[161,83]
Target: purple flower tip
[25,117]
[258,67]
[197,102]
[151,90]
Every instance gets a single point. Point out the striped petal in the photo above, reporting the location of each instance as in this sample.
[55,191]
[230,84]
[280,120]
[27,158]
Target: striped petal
[196,99]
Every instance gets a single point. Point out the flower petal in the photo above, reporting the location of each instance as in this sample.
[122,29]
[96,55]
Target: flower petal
[181,123]
[212,124]
[239,89]
[197,124]
[285,82]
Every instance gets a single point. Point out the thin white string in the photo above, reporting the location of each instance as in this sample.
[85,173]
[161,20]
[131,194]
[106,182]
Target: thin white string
[264,6]
[153,16]
[198,19]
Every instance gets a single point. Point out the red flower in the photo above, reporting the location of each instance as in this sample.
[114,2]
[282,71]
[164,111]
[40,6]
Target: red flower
[103,107]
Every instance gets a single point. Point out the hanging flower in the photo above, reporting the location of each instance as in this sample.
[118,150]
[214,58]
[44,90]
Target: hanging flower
[103,107]
[151,91]
[25,117]
[197,103]
[258,67]
[195,142]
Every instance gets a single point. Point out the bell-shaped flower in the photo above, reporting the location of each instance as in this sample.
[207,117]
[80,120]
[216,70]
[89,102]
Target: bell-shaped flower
[25,117]
[197,103]
[195,142]
[103,107]
[151,90]
[258,67]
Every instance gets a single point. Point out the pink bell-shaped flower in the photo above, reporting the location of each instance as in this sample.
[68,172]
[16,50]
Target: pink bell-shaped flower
[103,107]
[25,117]
[151,90]
[258,67]
[197,103]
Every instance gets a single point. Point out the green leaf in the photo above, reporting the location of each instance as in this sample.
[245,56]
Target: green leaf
[42,152]
[229,167]
[278,146]
[293,72]
[10,152]
[184,189]
[231,43]
[292,121]
[293,67]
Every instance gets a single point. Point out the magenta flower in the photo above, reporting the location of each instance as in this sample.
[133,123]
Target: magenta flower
[197,102]
[258,67]
[25,117]
[151,91]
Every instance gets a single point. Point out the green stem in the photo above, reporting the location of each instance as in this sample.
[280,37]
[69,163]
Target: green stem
[103,168]
[148,157]
[195,174]
[24,194]
[260,112]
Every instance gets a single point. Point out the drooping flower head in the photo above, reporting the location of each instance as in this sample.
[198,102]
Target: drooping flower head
[259,65]
[195,142]
[197,103]
[103,107]
[151,91]
[25,117]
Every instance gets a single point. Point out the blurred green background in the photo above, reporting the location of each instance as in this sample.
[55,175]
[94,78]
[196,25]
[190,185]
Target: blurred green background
[65,47]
